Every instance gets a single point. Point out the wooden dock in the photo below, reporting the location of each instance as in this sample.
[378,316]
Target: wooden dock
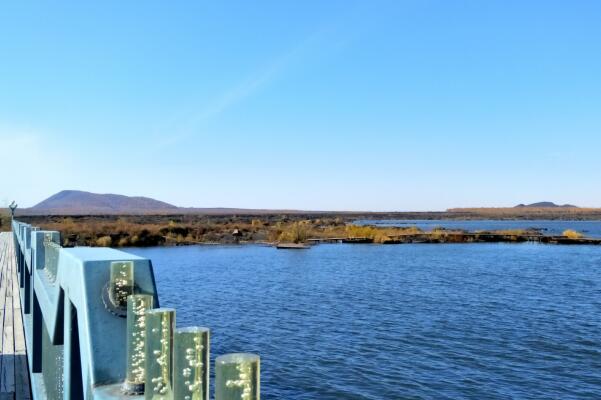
[14,375]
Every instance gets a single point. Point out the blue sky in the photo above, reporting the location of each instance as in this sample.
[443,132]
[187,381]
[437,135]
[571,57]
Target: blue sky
[331,105]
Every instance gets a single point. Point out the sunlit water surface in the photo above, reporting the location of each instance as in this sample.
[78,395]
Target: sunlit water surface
[414,321]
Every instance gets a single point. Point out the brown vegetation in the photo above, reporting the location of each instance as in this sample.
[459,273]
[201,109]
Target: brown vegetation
[514,232]
[139,231]
[157,230]
[572,234]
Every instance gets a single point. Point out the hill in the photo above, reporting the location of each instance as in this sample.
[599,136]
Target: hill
[76,201]
[545,204]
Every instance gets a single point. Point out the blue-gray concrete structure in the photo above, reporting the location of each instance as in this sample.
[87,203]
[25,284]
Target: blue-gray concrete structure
[75,343]
[74,319]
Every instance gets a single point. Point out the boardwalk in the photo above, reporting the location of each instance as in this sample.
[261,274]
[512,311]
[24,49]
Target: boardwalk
[14,378]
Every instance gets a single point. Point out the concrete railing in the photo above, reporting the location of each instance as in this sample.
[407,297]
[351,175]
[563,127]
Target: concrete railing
[94,329]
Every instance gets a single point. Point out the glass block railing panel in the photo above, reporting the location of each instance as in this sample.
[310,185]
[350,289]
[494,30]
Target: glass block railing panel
[159,351]
[137,307]
[191,363]
[51,252]
[237,377]
[121,282]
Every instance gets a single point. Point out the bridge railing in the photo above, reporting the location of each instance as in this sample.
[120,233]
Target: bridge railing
[94,329]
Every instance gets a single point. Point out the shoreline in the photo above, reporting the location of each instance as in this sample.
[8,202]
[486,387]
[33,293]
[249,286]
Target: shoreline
[270,230]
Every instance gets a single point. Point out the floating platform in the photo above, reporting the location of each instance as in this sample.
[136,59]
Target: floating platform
[292,246]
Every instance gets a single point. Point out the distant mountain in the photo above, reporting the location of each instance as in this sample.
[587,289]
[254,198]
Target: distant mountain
[545,204]
[76,202]
[79,202]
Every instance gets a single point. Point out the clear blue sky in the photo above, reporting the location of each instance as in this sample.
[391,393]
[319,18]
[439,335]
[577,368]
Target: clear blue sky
[368,105]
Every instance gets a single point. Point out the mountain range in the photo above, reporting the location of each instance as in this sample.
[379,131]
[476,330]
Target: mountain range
[77,202]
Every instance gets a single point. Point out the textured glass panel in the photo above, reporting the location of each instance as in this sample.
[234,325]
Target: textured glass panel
[191,363]
[51,251]
[159,340]
[121,283]
[52,366]
[137,306]
[237,377]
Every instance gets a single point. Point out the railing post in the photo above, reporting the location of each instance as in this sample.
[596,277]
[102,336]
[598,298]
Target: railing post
[121,283]
[159,352]
[191,363]
[238,377]
[137,307]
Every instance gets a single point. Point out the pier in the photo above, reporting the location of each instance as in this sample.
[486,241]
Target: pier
[85,323]
[14,376]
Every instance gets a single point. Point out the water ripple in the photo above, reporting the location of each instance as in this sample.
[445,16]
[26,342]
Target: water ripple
[490,321]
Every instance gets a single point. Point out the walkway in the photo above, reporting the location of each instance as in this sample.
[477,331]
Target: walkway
[14,377]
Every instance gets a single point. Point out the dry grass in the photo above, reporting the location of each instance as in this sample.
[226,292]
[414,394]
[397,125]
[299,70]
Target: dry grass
[380,234]
[297,232]
[572,234]
[180,230]
[512,232]
[104,241]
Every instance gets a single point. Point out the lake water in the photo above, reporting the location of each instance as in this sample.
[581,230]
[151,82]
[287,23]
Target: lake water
[589,228]
[412,321]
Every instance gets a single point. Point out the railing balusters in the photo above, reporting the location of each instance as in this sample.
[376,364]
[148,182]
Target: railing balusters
[237,377]
[191,363]
[161,362]
[51,251]
[160,323]
[137,307]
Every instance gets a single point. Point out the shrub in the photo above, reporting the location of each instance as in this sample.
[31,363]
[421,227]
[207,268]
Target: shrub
[104,241]
[298,232]
[511,232]
[572,234]
[357,231]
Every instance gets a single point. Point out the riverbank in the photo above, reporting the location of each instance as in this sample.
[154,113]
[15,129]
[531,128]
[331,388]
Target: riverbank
[159,230]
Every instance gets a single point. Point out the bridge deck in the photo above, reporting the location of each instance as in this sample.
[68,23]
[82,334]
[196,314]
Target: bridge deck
[14,377]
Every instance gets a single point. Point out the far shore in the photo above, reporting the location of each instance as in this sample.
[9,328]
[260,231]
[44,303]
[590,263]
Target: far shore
[270,229]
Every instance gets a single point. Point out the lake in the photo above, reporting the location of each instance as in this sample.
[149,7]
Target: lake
[412,321]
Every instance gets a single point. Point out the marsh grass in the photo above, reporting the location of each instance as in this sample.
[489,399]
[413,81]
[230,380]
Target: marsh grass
[140,231]
[572,234]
